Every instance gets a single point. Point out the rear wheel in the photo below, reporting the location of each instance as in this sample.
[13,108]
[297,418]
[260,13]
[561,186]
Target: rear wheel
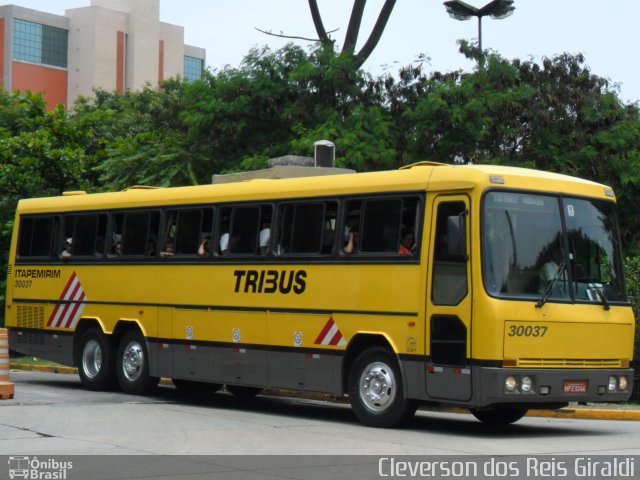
[376,392]
[499,415]
[96,361]
[132,364]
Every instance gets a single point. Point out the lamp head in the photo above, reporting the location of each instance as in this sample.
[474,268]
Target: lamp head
[463,11]
[498,9]
[460,10]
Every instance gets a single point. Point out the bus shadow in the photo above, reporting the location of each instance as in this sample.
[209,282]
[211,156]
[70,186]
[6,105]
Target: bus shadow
[468,426]
[425,421]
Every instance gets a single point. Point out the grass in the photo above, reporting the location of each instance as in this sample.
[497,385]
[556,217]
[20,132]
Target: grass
[26,361]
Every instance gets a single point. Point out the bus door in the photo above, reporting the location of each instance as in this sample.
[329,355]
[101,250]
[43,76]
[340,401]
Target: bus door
[449,305]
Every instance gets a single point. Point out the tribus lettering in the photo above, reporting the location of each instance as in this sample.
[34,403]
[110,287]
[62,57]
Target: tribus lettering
[270,281]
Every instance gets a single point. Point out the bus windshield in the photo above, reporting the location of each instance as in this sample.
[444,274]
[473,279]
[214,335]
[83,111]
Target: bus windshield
[551,248]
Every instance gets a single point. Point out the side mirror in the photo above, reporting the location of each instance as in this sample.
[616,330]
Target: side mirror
[457,237]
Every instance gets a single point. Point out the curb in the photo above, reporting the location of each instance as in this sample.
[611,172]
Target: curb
[567,412]
[588,413]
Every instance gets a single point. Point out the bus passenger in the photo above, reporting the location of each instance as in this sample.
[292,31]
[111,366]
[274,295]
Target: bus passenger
[265,235]
[168,249]
[352,243]
[224,244]
[67,251]
[408,243]
[205,246]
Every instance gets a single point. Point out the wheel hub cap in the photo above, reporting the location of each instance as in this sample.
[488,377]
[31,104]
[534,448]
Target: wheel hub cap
[92,359]
[377,387]
[132,361]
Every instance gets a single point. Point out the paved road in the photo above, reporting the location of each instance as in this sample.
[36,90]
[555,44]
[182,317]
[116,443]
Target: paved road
[52,414]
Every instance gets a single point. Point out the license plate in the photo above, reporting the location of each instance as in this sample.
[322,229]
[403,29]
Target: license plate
[576,386]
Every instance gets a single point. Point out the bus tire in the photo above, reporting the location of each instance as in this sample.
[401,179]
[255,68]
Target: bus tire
[499,415]
[376,392]
[191,387]
[96,361]
[132,364]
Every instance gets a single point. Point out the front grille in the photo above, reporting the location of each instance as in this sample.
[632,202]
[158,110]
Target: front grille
[569,363]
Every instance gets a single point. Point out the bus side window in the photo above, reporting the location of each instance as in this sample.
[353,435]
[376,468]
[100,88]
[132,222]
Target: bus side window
[115,245]
[140,233]
[248,225]
[381,226]
[449,269]
[244,230]
[378,225]
[88,233]
[351,238]
[37,237]
[185,230]
[307,228]
[221,243]
[329,232]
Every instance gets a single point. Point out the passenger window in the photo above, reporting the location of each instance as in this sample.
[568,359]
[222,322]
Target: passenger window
[87,234]
[37,237]
[135,234]
[185,231]
[307,228]
[381,226]
[245,230]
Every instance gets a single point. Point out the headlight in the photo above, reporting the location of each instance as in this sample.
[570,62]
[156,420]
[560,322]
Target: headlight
[526,384]
[613,384]
[623,383]
[510,384]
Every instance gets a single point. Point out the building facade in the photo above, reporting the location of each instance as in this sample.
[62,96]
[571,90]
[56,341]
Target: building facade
[115,45]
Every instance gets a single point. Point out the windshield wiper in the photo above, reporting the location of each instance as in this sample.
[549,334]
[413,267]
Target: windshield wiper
[600,293]
[551,285]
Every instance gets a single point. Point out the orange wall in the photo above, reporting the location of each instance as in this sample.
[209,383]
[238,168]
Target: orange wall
[1,51]
[37,78]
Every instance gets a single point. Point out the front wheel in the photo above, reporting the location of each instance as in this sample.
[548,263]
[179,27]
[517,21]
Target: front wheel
[499,415]
[132,364]
[95,361]
[376,392]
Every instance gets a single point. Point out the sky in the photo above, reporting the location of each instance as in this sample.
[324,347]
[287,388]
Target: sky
[605,32]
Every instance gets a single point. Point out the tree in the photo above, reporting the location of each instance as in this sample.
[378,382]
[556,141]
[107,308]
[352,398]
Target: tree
[556,116]
[41,154]
[141,138]
[353,30]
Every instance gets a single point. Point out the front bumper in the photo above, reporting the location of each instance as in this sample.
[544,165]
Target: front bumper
[548,386]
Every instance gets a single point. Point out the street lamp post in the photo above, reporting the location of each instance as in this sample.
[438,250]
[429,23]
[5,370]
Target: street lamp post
[497,9]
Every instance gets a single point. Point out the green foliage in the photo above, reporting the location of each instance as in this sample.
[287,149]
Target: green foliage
[632,273]
[41,154]
[553,115]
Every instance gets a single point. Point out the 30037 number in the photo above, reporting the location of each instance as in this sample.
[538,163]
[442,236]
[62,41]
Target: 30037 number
[23,283]
[528,331]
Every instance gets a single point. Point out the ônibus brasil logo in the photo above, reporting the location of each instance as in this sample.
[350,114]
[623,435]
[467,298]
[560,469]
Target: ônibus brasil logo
[32,468]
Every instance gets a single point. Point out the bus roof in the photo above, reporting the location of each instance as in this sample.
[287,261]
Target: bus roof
[417,177]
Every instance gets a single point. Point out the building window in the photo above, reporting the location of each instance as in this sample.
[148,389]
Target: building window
[37,43]
[193,68]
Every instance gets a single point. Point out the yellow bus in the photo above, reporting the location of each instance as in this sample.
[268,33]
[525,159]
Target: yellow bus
[493,288]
